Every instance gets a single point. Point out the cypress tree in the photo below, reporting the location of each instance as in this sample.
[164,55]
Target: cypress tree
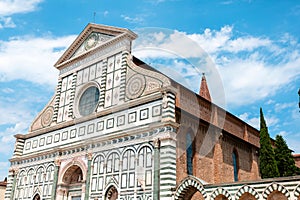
[283,156]
[267,163]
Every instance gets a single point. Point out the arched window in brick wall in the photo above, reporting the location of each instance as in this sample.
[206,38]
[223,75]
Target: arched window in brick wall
[235,162]
[189,153]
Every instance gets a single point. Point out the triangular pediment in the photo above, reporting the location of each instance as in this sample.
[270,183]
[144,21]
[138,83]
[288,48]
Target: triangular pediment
[92,37]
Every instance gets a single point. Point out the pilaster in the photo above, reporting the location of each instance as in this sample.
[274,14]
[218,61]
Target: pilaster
[11,184]
[88,177]
[156,181]
[167,164]
[56,170]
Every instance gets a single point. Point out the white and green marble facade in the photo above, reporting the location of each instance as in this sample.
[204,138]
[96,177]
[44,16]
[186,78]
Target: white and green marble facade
[127,143]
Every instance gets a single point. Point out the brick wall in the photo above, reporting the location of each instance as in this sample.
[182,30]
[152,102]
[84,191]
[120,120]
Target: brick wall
[297,159]
[212,159]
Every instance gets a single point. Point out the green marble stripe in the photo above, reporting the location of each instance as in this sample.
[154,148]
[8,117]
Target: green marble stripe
[87,190]
[53,195]
[156,181]
[13,187]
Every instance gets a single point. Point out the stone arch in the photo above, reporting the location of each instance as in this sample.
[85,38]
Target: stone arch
[36,197]
[112,162]
[74,174]
[220,191]
[143,146]
[112,186]
[39,173]
[21,177]
[221,197]
[246,189]
[126,149]
[111,193]
[78,163]
[189,185]
[49,165]
[297,192]
[96,156]
[275,187]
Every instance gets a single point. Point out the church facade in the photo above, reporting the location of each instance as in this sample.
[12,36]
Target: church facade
[118,129]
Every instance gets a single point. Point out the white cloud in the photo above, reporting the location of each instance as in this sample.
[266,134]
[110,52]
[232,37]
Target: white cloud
[105,13]
[251,68]
[255,121]
[282,106]
[31,58]
[10,7]
[6,22]
[134,20]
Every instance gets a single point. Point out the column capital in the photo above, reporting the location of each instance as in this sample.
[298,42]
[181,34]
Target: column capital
[156,143]
[14,170]
[57,161]
[89,155]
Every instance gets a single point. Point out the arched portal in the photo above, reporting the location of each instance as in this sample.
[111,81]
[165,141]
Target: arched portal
[247,196]
[73,175]
[112,193]
[276,195]
[73,182]
[221,197]
[190,188]
[37,197]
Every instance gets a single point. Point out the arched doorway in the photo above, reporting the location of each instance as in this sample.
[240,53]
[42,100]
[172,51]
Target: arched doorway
[197,196]
[247,196]
[73,175]
[221,197]
[37,197]
[190,188]
[276,195]
[112,193]
[73,179]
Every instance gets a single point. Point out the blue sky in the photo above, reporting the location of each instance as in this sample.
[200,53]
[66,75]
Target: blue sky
[254,46]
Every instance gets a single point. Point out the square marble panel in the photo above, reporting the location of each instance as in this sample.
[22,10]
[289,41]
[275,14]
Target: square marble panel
[49,139]
[65,135]
[132,117]
[73,133]
[121,120]
[42,142]
[110,123]
[156,111]
[144,114]
[81,131]
[100,126]
[90,128]
[56,137]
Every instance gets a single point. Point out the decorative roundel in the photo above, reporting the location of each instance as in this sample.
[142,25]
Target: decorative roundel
[135,86]
[91,41]
[47,116]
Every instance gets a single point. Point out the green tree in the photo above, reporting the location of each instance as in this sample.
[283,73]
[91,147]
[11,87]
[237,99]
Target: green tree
[284,159]
[267,163]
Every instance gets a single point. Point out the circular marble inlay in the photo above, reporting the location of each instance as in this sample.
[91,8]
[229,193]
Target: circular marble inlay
[135,86]
[47,116]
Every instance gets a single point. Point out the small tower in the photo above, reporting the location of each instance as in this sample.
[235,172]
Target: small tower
[204,91]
